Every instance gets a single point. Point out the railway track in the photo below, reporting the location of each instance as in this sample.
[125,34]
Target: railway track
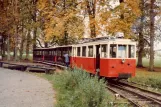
[137,96]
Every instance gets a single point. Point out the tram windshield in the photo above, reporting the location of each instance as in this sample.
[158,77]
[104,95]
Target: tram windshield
[104,51]
[122,51]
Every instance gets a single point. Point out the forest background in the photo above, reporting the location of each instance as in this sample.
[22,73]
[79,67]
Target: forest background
[27,24]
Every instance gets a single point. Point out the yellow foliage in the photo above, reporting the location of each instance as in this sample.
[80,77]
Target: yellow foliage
[57,19]
[121,18]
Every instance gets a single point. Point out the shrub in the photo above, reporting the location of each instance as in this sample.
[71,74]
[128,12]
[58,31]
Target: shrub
[78,89]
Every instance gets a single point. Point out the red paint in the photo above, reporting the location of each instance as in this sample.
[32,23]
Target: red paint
[87,64]
[108,67]
[112,67]
[43,57]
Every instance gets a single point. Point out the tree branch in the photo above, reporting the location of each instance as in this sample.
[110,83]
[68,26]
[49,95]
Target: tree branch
[39,43]
[147,41]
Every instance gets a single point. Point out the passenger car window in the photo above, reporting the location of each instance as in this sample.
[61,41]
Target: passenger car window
[131,52]
[113,51]
[90,51]
[78,51]
[104,51]
[84,51]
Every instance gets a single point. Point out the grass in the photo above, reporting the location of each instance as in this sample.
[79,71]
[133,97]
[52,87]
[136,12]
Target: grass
[78,89]
[145,77]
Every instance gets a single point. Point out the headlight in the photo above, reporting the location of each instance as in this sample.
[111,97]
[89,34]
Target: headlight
[123,61]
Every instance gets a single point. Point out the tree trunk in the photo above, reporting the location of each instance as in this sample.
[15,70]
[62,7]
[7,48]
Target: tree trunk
[91,8]
[141,50]
[28,45]
[22,45]
[92,26]
[141,37]
[34,38]
[65,38]
[3,47]
[8,49]
[46,44]
[16,44]
[152,33]
[34,19]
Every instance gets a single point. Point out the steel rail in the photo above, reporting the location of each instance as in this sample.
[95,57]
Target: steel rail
[122,95]
[144,97]
[154,95]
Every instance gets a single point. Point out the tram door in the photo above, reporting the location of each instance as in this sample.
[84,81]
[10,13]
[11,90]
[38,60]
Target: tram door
[97,58]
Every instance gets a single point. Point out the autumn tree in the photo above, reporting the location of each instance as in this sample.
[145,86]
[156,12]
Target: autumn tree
[120,18]
[28,26]
[7,20]
[91,10]
[142,27]
[152,34]
[61,20]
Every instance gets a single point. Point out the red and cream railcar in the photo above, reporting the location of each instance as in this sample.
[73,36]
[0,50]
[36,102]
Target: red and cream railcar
[52,55]
[115,58]
[111,58]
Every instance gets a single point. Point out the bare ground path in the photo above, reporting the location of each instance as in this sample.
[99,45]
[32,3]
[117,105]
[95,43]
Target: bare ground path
[21,89]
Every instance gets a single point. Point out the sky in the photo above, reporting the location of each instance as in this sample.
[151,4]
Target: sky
[157,45]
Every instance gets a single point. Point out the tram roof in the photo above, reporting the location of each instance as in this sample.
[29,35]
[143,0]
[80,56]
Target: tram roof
[93,42]
[111,41]
[64,46]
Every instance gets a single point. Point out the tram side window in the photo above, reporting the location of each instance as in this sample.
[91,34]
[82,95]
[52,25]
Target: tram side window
[84,51]
[50,52]
[122,51]
[42,52]
[70,52]
[54,52]
[35,52]
[38,52]
[59,53]
[131,52]
[104,51]
[113,51]
[64,52]
[78,51]
[90,52]
[46,52]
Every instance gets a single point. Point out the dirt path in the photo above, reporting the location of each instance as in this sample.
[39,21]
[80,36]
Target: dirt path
[21,89]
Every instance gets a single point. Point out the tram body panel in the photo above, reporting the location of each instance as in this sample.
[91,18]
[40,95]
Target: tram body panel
[116,68]
[85,63]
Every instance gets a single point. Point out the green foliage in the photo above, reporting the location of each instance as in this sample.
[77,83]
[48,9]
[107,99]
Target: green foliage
[79,89]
